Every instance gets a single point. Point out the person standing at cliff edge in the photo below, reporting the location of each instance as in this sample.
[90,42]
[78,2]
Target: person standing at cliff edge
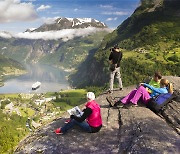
[115,58]
[90,121]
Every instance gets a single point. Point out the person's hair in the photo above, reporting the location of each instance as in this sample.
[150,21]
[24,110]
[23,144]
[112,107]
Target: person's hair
[90,96]
[116,46]
[158,74]
[166,83]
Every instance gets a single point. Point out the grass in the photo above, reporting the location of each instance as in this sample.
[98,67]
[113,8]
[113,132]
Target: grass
[70,98]
[74,92]
[63,105]
[26,112]
[9,96]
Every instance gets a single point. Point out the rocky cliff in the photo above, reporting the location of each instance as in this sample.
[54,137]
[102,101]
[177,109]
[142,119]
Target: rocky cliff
[125,130]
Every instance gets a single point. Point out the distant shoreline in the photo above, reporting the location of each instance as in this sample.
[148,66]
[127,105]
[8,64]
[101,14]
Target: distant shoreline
[16,72]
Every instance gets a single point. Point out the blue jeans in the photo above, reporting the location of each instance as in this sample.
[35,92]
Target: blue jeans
[84,125]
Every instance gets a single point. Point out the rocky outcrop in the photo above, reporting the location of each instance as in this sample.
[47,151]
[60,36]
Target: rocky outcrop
[70,23]
[172,110]
[125,130]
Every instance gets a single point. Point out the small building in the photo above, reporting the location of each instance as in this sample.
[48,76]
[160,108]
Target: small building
[39,101]
[9,106]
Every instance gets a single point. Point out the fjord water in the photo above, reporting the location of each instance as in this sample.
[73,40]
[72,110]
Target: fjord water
[52,80]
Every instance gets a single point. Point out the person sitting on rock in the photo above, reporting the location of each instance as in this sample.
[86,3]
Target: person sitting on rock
[90,121]
[141,93]
[155,81]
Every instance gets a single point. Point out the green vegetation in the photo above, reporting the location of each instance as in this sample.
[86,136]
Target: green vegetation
[71,98]
[75,51]
[12,130]
[17,111]
[14,48]
[9,67]
[149,40]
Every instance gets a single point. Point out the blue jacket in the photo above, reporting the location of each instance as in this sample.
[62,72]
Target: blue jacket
[156,91]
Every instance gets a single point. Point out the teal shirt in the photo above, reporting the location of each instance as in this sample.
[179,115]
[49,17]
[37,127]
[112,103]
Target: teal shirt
[156,91]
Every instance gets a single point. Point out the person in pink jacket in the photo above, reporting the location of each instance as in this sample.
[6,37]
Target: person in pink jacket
[90,121]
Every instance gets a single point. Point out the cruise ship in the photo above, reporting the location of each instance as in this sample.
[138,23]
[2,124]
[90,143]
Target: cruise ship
[36,85]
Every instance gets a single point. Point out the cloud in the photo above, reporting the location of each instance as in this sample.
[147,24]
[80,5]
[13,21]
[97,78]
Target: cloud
[49,20]
[106,6]
[14,10]
[119,13]
[65,35]
[5,35]
[30,0]
[43,7]
[111,19]
[75,10]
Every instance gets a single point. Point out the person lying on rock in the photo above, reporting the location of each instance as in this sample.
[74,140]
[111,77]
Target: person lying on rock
[90,121]
[141,93]
[154,81]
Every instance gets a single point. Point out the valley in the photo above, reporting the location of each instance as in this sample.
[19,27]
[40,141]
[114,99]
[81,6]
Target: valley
[70,57]
[21,114]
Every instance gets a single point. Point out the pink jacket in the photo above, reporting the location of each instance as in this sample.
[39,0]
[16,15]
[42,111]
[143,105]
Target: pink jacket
[94,119]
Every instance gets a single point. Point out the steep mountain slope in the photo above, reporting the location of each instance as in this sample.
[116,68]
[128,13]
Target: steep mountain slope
[9,67]
[70,42]
[149,40]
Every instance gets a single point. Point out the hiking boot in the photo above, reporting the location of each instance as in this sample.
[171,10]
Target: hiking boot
[58,131]
[110,91]
[67,121]
[110,101]
[119,104]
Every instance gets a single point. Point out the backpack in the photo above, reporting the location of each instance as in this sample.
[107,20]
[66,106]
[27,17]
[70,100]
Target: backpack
[157,103]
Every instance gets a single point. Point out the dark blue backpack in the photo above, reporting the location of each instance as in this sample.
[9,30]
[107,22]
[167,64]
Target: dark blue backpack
[157,103]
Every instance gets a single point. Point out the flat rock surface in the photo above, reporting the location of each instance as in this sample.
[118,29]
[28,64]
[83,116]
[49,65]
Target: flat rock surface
[125,130]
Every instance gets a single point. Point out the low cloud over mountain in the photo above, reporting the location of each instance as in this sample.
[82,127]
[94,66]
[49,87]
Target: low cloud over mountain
[61,28]
[65,35]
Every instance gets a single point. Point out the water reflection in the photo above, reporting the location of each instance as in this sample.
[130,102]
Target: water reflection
[51,78]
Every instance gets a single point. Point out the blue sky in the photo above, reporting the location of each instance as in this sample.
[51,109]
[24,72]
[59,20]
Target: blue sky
[19,15]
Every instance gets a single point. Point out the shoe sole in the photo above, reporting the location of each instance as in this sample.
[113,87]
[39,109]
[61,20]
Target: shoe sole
[58,133]
[66,122]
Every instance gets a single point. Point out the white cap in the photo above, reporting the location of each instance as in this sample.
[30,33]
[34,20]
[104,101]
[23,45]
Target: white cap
[91,95]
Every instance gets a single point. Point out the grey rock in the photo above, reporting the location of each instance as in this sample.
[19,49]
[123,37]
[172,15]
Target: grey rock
[125,130]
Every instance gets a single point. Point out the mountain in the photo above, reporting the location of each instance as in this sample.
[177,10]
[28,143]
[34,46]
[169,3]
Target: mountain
[149,40]
[70,23]
[125,130]
[64,43]
[9,67]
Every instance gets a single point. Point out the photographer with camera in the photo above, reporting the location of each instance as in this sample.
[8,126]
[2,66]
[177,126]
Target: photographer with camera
[115,58]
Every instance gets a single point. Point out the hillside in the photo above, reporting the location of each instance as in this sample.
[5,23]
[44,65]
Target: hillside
[149,39]
[125,130]
[65,43]
[21,114]
[9,67]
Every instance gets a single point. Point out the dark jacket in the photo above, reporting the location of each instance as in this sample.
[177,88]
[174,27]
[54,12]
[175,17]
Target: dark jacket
[115,57]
